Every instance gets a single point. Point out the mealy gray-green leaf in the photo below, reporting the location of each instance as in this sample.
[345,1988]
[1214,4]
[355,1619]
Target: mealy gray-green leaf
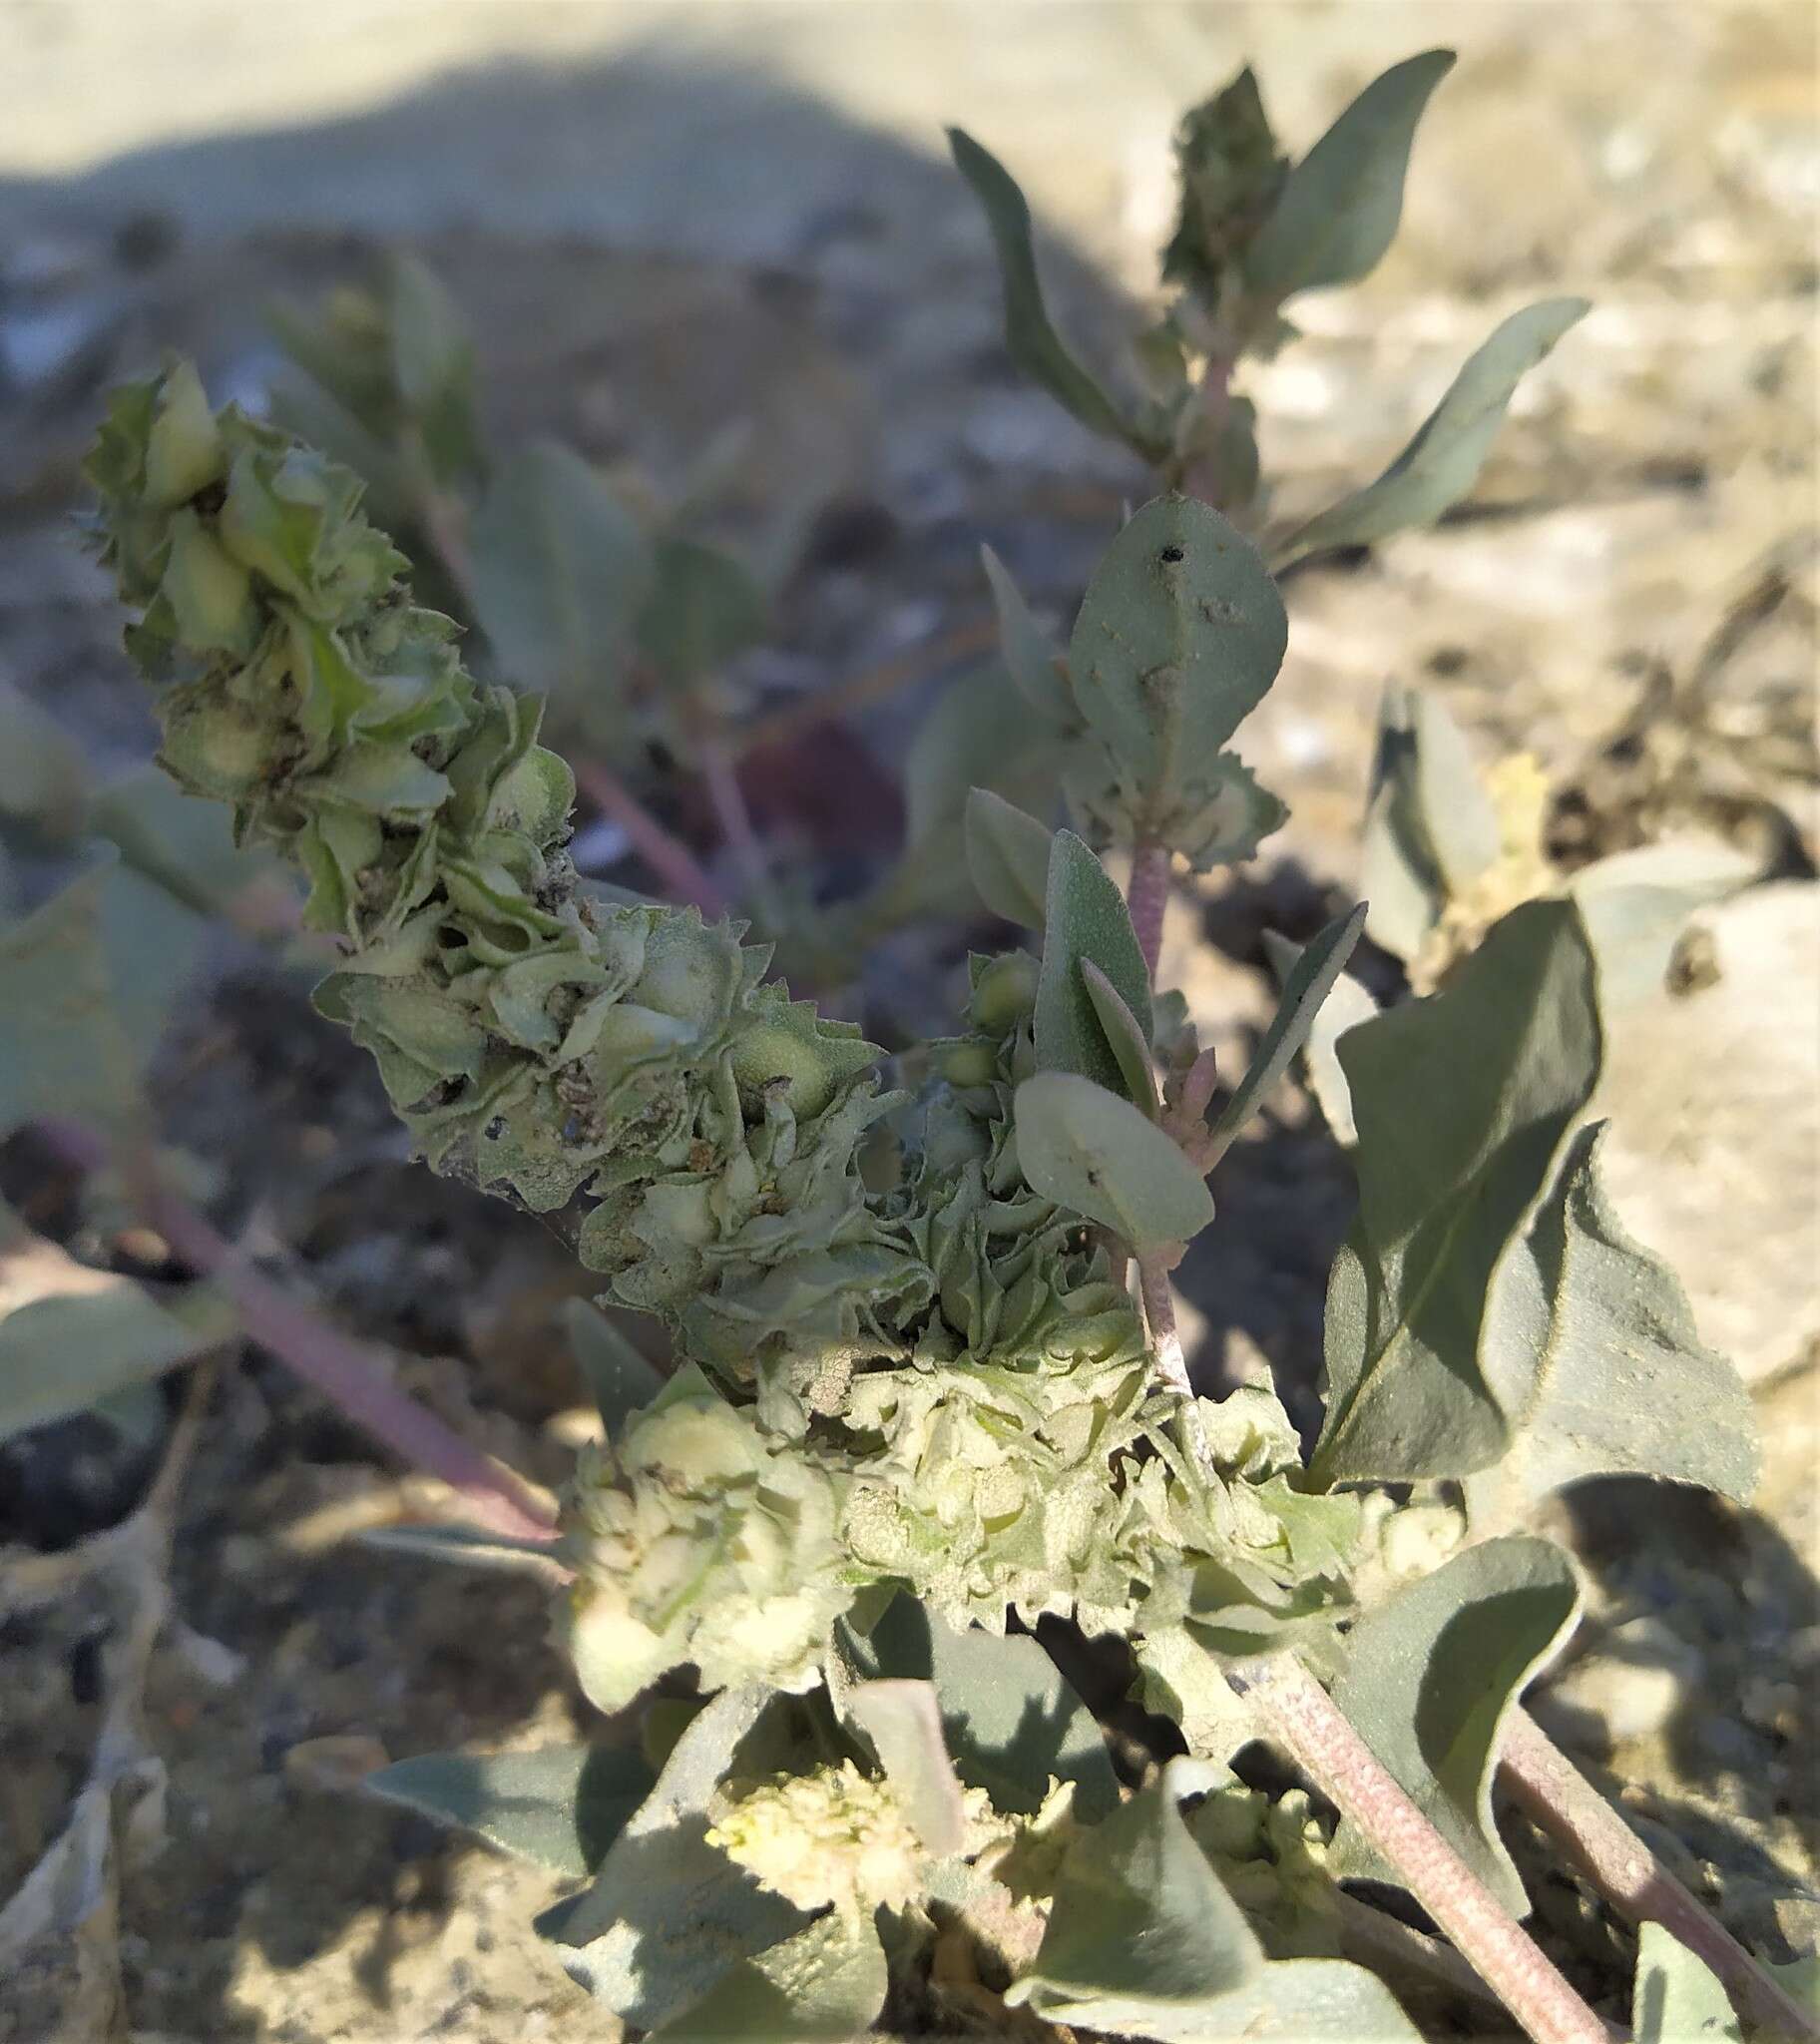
[562,1807]
[1125,1037]
[1440,464]
[1033,342]
[1092,1150]
[471,1547]
[1591,1349]
[1008,854]
[1084,917]
[560,570]
[1144,1941]
[1463,1102]
[701,611]
[902,1718]
[1180,635]
[822,1986]
[619,1378]
[1031,661]
[71,1336]
[1009,1716]
[1637,903]
[1430,828]
[1348,1004]
[1675,1998]
[1311,979]
[44,778]
[1431,1680]
[1338,209]
[432,354]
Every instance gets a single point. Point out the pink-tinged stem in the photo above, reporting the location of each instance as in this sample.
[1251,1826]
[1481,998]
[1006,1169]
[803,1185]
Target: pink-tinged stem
[1146,896]
[1159,1318]
[668,858]
[1603,1848]
[492,1494]
[1353,1776]
[728,798]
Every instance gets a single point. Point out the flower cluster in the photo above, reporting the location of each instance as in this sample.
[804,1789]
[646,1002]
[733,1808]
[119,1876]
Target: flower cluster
[835,1835]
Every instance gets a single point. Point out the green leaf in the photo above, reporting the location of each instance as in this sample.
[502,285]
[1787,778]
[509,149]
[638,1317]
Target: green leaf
[1310,982]
[701,611]
[1442,463]
[182,843]
[1463,1103]
[1092,1151]
[825,1985]
[1635,904]
[1126,1037]
[1339,206]
[1034,344]
[1676,1998]
[562,1807]
[1008,1719]
[469,1546]
[1084,917]
[1178,636]
[44,778]
[1142,1936]
[561,568]
[903,1720]
[1008,854]
[1431,1680]
[619,1378]
[1591,1350]
[432,356]
[1346,1006]
[71,1336]
[1031,661]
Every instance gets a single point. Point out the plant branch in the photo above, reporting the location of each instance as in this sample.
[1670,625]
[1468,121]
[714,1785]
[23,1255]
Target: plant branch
[681,872]
[728,798]
[1605,1851]
[1145,894]
[1159,1318]
[323,1357]
[870,685]
[1499,1950]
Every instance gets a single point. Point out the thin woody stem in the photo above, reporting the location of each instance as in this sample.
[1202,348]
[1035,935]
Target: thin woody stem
[1605,1851]
[1148,892]
[682,873]
[490,1493]
[1499,1949]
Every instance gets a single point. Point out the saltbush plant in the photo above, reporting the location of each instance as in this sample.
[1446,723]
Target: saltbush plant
[927,1402]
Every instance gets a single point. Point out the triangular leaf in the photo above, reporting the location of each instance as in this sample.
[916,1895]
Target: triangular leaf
[1084,917]
[1432,1676]
[1442,463]
[825,1985]
[1637,903]
[1031,661]
[1125,1037]
[1677,1998]
[1463,1103]
[1032,341]
[1311,980]
[1092,1150]
[1180,635]
[562,1807]
[1008,854]
[903,1721]
[1339,206]
[619,1376]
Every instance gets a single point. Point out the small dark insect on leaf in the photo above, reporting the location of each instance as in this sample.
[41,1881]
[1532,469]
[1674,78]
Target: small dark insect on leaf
[1171,555]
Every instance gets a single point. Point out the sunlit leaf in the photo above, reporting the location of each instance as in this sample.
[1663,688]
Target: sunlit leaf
[1084,917]
[1031,661]
[1092,1150]
[619,1378]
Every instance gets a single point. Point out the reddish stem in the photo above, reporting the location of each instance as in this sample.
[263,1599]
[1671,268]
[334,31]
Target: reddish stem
[682,873]
[1145,896]
[321,1357]
[1603,1848]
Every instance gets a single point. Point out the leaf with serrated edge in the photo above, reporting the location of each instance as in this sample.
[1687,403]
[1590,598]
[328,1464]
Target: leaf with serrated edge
[1033,342]
[1084,916]
[1346,1006]
[1463,1102]
[903,1720]
[562,1807]
[1125,1037]
[1431,1680]
[1591,1349]
[1008,854]
[825,1985]
[1092,1150]
[1310,982]
[1339,206]
[1031,661]
[619,1378]
[1675,1998]
[1442,463]
[1178,639]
